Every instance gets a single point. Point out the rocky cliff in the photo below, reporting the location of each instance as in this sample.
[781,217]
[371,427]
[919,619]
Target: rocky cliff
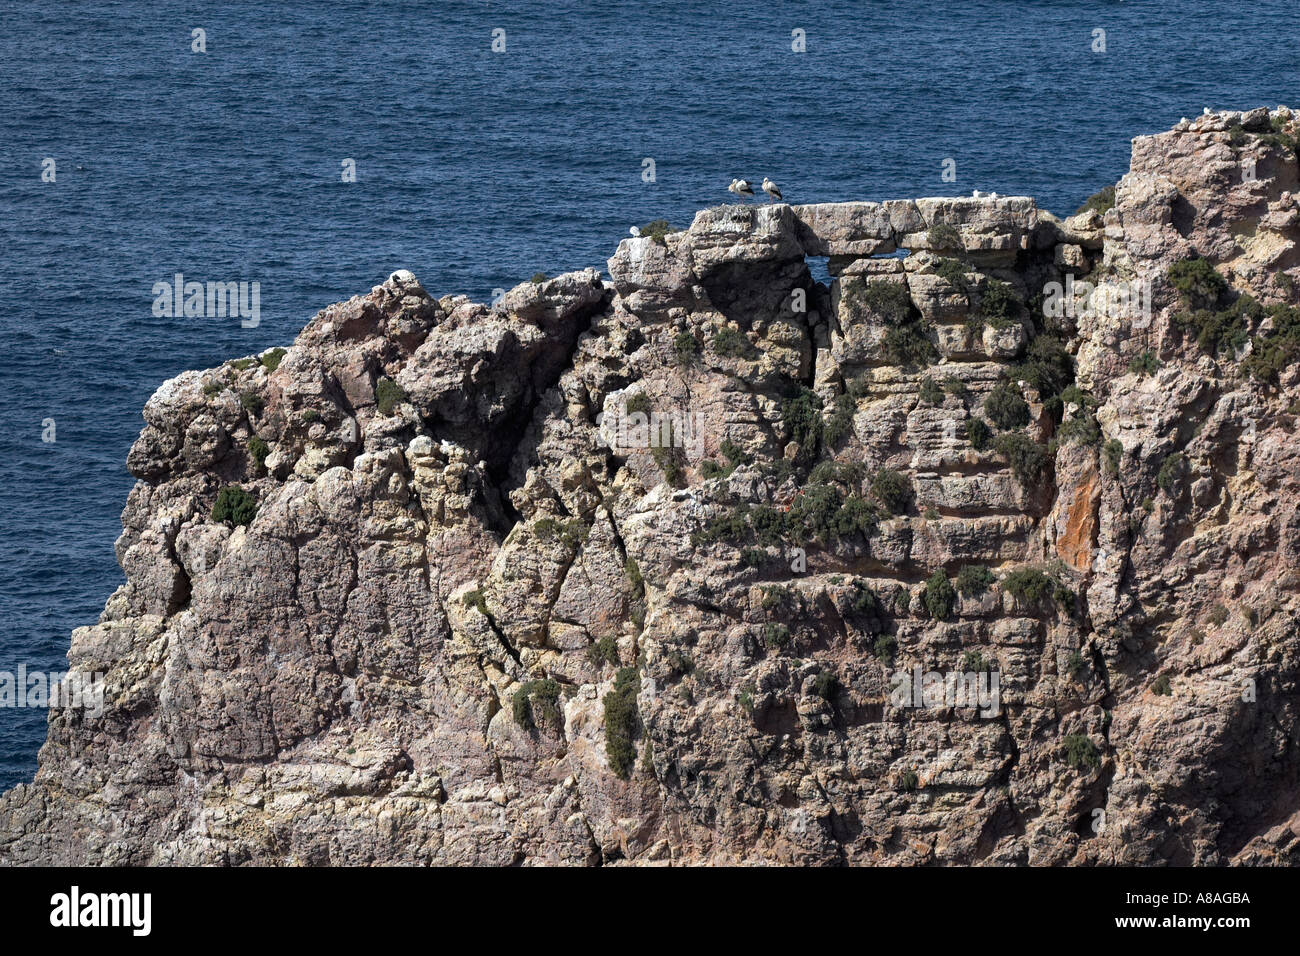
[630,570]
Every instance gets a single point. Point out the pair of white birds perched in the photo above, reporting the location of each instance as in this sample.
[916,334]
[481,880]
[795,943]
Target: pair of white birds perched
[741,187]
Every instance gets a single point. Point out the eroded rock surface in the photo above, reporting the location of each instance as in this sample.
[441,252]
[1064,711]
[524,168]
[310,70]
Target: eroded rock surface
[480,617]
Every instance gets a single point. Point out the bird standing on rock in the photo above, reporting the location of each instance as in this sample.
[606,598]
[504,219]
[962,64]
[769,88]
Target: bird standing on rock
[741,188]
[769,187]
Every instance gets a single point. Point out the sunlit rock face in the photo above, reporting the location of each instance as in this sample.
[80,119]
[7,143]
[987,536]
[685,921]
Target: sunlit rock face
[976,554]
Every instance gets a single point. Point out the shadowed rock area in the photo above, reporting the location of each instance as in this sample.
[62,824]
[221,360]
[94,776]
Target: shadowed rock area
[628,571]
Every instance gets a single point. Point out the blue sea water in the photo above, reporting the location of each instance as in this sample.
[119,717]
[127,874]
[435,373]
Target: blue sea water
[476,169]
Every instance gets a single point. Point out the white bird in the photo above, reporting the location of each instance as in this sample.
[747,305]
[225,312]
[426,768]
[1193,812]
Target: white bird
[993,195]
[1206,111]
[975,193]
[634,231]
[741,188]
[769,187]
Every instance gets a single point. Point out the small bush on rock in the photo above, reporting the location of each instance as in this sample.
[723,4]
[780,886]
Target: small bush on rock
[389,395]
[1005,407]
[939,596]
[234,506]
[622,722]
[1080,752]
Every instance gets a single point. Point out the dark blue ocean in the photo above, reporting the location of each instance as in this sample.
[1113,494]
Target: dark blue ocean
[476,169]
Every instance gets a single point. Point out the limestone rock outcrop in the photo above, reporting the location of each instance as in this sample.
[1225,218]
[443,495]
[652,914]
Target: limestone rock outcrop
[628,571]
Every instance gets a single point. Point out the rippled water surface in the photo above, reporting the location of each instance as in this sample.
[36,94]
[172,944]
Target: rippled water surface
[475,170]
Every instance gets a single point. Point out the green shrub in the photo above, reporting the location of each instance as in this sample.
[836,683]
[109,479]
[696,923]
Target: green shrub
[769,525]
[1082,429]
[633,572]
[1099,202]
[939,595]
[826,685]
[731,525]
[1237,135]
[1030,585]
[571,532]
[252,402]
[213,389]
[891,489]
[889,300]
[711,469]
[978,434]
[884,648]
[1005,407]
[476,600]
[604,651]
[728,341]
[622,721]
[931,392]
[974,662]
[258,450]
[1074,664]
[1161,686]
[999,304]
[776,636]
[829,471]
[775,596]
[538,278]
[956,387]
[863,602]
[685,348]
[902,600]
[812,514]
[1144,364]
[909,346]
[669,462]
[1048,367]
[840,422]
[310,415]
[944,236]
[637,403]
[234,506]
[855,517]
[1171,470]
[1081,752]
[974,579]
[1029,460]
[1198,282]
[909,781]
[801,413]
[1113,452]
[1277,349]
[542,694]
[389,395]
[954,273]
[746,699]
[271,360]
[657,231]
[734,454]
[243,364]
[1223,332]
